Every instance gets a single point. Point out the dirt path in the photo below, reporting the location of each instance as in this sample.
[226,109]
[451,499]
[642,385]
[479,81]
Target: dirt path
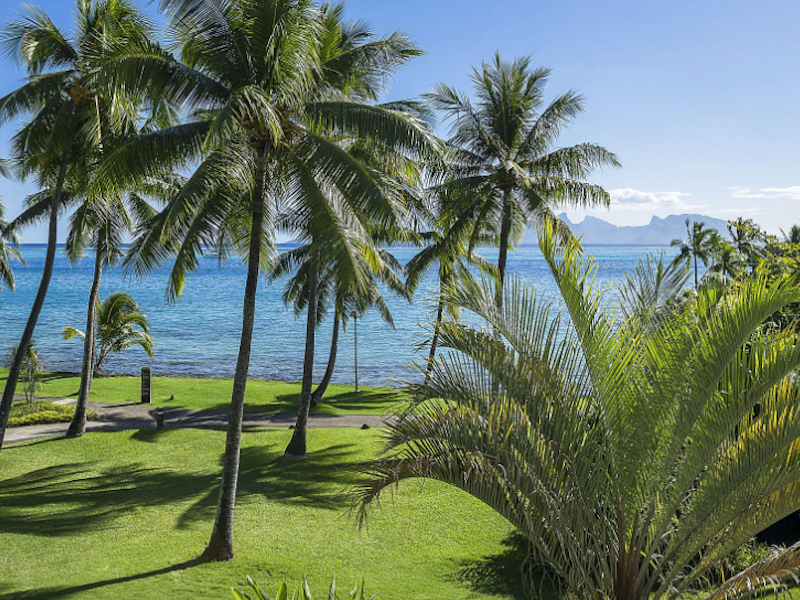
[118,417]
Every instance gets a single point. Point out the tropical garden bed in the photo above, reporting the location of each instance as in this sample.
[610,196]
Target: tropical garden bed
[40,412]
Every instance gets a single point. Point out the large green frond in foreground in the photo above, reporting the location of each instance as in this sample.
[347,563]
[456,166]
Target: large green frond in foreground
[634,448]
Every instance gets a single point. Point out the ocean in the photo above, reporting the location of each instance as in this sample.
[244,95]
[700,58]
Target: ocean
[199,334]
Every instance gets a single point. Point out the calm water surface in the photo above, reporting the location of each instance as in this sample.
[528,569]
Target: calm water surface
[199,335]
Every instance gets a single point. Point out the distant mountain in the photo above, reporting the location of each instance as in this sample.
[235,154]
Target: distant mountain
[660,232]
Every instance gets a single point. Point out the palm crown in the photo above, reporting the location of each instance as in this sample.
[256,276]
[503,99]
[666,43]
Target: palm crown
[504,153]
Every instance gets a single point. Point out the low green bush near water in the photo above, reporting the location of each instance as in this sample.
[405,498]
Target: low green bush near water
[43,411]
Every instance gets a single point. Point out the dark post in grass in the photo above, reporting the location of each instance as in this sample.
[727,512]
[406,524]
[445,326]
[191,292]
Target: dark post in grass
[146,389]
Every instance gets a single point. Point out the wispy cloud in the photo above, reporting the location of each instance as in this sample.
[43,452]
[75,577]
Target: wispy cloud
[791,192]
[632,199]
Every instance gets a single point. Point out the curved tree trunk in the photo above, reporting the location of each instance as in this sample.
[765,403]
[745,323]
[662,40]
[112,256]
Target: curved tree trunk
[220,545]
[78,425]
[296,450]
[36,309]
[436,330]
[316,397]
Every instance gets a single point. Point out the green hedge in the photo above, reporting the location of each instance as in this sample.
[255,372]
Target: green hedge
[43,411]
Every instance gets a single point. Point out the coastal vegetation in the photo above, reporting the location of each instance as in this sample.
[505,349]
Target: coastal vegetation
[627,447]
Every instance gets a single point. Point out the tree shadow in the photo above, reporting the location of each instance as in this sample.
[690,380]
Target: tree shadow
[380,400]
[264,472]
[504,573]
[60,592]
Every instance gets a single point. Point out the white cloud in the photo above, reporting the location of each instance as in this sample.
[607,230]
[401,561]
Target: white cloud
[791,192]
[630,198]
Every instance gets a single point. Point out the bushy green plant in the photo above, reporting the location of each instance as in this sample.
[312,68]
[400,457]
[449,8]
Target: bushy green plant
[303,593]
[42,411]
[32,370]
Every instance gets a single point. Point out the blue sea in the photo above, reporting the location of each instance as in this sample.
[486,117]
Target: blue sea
[199,334]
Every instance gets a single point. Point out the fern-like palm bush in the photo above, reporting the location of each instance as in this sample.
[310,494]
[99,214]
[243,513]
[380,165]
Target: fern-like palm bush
[304,593]
[635,453]
[121,324]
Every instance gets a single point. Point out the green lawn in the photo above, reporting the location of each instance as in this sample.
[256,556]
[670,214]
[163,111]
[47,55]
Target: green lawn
[215,394]
[124,515]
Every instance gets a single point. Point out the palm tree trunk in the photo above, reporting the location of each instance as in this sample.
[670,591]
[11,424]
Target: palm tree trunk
[696,281]
[296,450]
[316,397]
[505,233]
[36,309]
[78,426]
[220,545]
[436,330]
[355,347]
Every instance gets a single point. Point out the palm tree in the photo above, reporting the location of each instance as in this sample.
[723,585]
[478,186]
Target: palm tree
[8,253]
[120,325]
[62,97]
[505,161]
[32,369]
[726,260]
[631,457]
[793,236]
[748,239]
[698,246]
[265,99]
[341,287]
[448,249]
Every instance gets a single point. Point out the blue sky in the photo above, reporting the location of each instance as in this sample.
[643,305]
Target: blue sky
[699,99]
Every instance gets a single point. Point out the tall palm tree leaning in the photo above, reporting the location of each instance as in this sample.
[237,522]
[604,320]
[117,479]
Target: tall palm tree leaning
[263,105]
[633,453]
[697,247]
[506,161]
[60,98]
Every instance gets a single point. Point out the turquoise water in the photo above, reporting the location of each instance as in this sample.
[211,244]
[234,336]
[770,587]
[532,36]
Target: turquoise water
[199,335]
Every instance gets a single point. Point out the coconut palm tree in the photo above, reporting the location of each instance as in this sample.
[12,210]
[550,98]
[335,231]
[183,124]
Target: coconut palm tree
[121,324]
[62,97]
[726,261]
[697,247]
[342,288]
[629,453]
[450,252]
[32,369]
[505,160]
[748,239]
[792,236]
[268,105]
[8,253]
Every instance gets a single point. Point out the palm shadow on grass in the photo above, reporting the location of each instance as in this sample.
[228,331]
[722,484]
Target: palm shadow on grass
[354,402]
[504,573]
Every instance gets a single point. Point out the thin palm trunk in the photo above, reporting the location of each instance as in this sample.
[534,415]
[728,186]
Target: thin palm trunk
[696,280]
[436,329]
[78,426]
[220,545]
[502,259]
[316,397]
[297,446]
[355,347]
[36,309]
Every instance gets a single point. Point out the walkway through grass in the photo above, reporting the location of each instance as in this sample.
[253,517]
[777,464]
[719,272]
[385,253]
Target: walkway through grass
[123,515]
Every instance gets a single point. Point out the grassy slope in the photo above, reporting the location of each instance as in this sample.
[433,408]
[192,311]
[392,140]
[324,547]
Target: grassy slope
[122,515]
[215,394]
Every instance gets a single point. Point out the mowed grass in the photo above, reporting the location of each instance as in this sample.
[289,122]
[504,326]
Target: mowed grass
[215,394]
[125,515]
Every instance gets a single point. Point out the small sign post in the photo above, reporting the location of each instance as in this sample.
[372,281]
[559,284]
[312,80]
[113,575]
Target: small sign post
[146,390]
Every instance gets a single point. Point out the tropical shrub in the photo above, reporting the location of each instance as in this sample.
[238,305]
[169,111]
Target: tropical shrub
[41,412]
[303,592]
[32,370]
[634,452]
